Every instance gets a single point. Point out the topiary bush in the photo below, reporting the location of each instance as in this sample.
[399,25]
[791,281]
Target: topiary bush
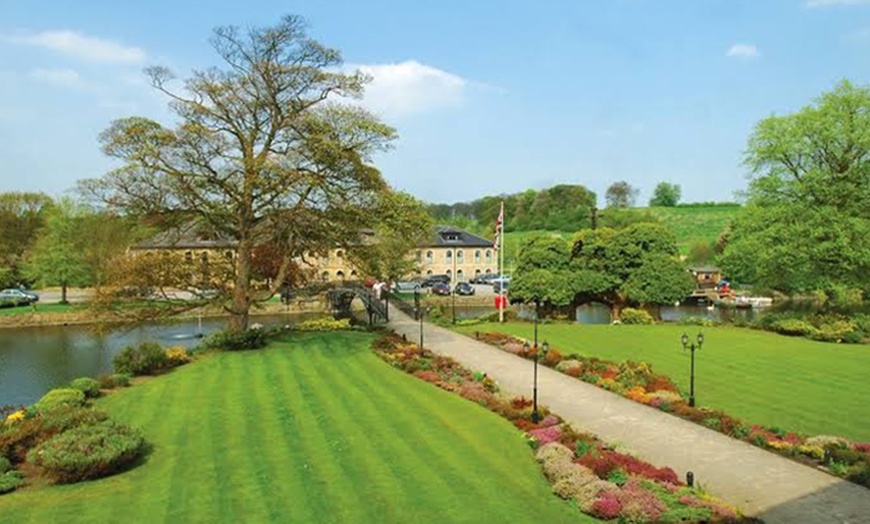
[90,387]
[237,340]
[88,452]
[60,397]
[147,358]
[635,316]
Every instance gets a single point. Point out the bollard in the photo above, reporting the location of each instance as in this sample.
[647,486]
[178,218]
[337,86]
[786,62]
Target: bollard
[690,479]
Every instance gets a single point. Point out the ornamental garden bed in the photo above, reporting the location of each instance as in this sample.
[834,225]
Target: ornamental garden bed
[637,381]
[598,479]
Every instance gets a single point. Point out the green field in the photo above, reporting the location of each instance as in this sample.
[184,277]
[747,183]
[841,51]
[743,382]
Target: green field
[313,429]
[42,308]
[694,223]
[763,378]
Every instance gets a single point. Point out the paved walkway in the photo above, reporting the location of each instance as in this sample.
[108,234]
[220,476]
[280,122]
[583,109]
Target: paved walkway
[762,484]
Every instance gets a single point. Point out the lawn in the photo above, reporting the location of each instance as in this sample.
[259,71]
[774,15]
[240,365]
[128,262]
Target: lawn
[695,223]
[760,377]
[313,429]
[42,308]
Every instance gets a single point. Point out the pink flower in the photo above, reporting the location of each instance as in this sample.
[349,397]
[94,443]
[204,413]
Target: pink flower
[546,435]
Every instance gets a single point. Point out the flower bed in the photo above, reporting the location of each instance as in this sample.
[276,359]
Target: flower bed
[636,381]
[601,481]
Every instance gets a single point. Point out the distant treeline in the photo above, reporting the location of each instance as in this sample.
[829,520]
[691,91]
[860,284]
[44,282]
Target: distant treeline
[559,208]
[709,204]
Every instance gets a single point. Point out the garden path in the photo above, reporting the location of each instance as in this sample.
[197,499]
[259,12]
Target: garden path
[761,483]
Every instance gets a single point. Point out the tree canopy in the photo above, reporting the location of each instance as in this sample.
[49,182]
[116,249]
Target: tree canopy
[621,194]
[665,195]
[806,225]
[57,257]
[263,152]
[21,217]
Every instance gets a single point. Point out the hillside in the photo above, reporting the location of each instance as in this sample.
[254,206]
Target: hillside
[690,223]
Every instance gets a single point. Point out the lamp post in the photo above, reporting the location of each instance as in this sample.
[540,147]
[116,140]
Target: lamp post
[453,284]
[692,347]
[545,348]
[420,313]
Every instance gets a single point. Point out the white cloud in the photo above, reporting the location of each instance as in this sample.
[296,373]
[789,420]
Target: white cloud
[82,47]
[61,77]
[742,51]
[823,3]
[409,87]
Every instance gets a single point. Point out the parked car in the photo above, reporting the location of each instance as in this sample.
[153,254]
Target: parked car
[464,288]
[406,286]
[17,297]
[431,280]
[485,278]
[441,288]
[499,285]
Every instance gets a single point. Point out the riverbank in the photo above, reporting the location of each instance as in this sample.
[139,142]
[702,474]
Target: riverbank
[81,314]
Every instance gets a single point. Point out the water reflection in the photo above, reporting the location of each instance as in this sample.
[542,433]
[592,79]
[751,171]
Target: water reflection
[36,359]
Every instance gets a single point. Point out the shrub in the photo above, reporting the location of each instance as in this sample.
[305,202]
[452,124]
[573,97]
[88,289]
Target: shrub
[5,465]
[67,417]
[833,331]
[9,481]
[177,356]
[88,386]
[147,358]
[860,474]
[324,324]
[115,380]
[793,327]
[696,321]
[237,340]
[88,452]
[635,316]
[553,451]
[15,441]
[60,397]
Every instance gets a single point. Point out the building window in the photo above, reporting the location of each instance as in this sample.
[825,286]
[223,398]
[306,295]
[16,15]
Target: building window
[448,256]
[353,275]
[325,276]
[228,255]
[477,257]
[488,271]
[188,256]
[339,253]
[489,256]
[460,256]
[476,272]
[203,257]
[429,272]
[430,258]
[450,275]
[460,276]
[340,274]
[419,256]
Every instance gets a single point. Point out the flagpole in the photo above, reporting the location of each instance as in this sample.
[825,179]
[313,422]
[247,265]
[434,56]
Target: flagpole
[501,290]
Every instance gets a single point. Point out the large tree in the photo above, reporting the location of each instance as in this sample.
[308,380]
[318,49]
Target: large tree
[21,216]
[665,195]
[57,257]
[635,266]
[543,273]
[262,153]
[806,225]
[620,194]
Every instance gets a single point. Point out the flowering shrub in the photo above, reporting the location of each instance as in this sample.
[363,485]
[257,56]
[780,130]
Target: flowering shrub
[638,382]
[579,467]
[324,324]
[635,316]
[15,417]
[177,356]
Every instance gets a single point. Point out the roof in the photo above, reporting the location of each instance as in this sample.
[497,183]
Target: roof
[449,236]
[705,269]
[188,236]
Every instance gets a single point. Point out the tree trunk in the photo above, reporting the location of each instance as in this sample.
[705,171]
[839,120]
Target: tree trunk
[63,292]
[241,291]
[615,310]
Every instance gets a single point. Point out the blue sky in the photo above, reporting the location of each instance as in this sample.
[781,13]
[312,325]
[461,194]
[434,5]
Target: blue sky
[487,96]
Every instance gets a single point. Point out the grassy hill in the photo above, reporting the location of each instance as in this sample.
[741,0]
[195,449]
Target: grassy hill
[692,223]
[314,428]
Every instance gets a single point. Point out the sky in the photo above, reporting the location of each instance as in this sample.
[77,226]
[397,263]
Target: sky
[487,96]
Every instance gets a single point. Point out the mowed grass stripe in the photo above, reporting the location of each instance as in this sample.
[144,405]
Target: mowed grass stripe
[267,419]
[759,377]
[394,427]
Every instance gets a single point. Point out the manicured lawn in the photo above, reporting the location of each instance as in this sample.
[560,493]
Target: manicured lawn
[312,429]
[42,308]
[762,378]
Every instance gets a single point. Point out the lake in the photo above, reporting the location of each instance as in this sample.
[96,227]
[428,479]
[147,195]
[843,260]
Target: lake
[35,359]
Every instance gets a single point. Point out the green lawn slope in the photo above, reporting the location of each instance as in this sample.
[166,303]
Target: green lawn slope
[760,377]
[313,429]
[692,223]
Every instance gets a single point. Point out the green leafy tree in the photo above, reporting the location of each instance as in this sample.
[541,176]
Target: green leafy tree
[21,216]
[543,273]
[56,258]
[621,194]
[666,195]
[263,152]
[403,222]
[806,225]
[636,265]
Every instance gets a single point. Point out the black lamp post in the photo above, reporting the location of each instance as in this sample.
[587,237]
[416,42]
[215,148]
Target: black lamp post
[420,314]
[692,347]
[545,348]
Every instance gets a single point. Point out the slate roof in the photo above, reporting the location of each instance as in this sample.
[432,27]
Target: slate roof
[444,237]
[188,236]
